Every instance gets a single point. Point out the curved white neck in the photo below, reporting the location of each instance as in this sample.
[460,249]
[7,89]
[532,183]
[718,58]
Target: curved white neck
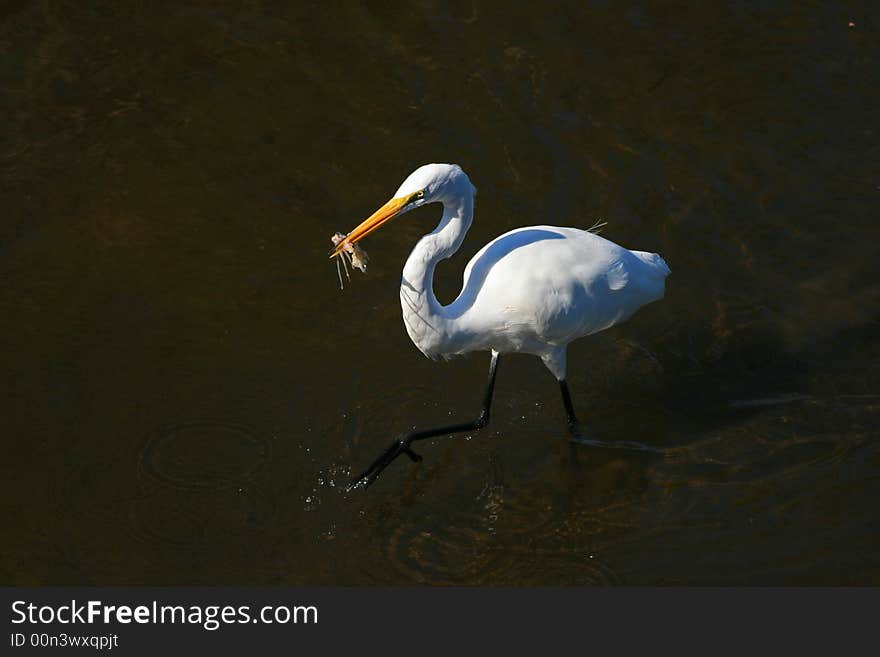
[428,325]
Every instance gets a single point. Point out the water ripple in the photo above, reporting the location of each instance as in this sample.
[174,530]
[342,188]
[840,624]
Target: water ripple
[203,455]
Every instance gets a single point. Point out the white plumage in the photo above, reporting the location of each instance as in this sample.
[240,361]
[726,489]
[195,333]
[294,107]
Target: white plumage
[531,290]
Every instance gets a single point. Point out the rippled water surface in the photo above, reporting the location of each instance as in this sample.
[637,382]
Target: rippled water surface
[187,391]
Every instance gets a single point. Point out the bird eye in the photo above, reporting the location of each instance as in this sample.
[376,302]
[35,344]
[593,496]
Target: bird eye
[420,193]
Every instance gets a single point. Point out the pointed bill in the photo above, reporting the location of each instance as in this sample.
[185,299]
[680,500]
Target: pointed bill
[387,212]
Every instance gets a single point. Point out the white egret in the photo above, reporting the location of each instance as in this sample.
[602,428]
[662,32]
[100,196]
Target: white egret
[531,290]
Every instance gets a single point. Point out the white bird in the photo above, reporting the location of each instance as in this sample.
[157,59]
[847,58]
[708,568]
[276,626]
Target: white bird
[531,290]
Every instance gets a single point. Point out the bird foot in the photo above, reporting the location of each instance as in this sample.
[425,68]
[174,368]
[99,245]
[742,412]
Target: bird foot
[578,432]
[368,476]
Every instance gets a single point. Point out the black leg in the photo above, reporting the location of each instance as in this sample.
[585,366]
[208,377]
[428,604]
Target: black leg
[402,444]
[569,409]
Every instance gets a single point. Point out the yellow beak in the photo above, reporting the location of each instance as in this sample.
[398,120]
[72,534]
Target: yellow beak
[388,211]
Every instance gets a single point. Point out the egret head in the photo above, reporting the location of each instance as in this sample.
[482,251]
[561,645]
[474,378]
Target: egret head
[438,182]
[427,184]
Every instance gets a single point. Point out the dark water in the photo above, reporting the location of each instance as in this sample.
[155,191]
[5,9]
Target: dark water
[186,390]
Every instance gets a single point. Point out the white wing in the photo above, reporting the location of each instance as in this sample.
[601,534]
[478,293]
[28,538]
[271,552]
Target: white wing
[546,285]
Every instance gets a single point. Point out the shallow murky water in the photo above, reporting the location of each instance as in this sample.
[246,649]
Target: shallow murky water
[187,391]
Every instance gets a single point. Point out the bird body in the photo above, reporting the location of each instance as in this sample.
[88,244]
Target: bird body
[531,290]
